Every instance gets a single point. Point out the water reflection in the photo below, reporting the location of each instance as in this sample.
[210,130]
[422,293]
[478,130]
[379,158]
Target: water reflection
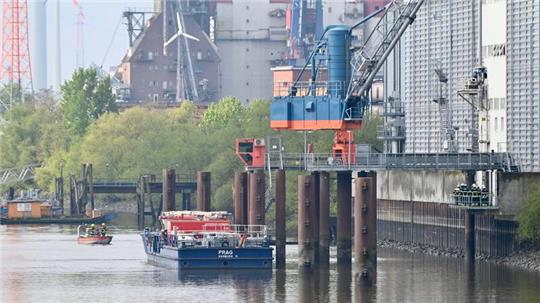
[237,276]
[281,289]
[47,265]
[470,274]
[365,294]
[344,277]
[324,285]
[306,290]
[249,285]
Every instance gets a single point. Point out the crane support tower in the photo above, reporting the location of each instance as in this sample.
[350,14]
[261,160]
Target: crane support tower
[339,104]
[15,68]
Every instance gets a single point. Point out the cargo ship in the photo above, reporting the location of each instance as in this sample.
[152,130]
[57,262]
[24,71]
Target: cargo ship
[207,240]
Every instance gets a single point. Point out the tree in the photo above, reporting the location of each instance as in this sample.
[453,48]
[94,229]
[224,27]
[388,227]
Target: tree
[529,217]
[227,110]
[368,133]
[10,95]
[30,134]
[85,98]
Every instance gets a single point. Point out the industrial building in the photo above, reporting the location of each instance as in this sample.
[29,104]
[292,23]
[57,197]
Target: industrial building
[240,43]
[148,72]
[444,37]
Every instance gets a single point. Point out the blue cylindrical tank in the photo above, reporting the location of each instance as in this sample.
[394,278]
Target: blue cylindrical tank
[338,60]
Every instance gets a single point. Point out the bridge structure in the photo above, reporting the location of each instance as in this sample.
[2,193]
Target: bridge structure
[82,192]
[18,174]
[132,187]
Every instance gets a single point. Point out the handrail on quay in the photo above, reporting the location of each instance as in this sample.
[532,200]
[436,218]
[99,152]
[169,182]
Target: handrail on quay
[380,161]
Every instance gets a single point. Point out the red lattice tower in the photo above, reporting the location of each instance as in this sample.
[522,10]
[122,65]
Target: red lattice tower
[16,67]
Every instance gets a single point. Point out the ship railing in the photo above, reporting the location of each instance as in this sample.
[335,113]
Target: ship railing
[472,199]
[258,231]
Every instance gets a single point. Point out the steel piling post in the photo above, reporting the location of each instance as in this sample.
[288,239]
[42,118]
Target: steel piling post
[470,241]
[324,216]
[344,217]
[91,185]
[305,221]
[240,198]
[169,189]
[256,198]
[315,212]
[470,220]
[365,231]
[281,215]
[204,192]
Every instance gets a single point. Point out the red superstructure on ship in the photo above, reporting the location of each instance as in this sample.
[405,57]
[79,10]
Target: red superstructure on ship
[196,221]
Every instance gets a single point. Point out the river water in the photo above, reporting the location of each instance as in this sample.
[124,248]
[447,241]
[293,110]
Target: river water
[45,264]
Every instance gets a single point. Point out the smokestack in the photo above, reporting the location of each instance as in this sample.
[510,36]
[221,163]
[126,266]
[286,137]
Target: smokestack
[40,45]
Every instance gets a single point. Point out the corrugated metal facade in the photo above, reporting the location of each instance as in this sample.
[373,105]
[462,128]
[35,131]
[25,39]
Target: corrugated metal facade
[443,36]
[522,85]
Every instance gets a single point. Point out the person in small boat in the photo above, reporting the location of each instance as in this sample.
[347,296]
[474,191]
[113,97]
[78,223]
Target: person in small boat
[92,231]
[103,229]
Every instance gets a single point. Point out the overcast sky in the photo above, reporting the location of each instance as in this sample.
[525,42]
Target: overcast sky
[101,19]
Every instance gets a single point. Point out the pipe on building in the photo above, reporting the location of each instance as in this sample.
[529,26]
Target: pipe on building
[324,216]
[344,202]
[204,191]
[281,232]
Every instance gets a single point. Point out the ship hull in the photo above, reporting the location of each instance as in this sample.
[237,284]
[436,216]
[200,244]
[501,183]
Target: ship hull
[186,258]
[102,240]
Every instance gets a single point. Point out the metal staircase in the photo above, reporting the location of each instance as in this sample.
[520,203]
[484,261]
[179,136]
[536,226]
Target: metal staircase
[274,159]
[270,194]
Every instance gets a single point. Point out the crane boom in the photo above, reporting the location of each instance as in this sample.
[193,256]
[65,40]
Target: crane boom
[365,64]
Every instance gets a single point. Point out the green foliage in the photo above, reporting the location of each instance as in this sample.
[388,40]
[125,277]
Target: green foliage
[29,135]
[529,217]
[85,98]
[227,111]
[143,140]
[10,95]
[368,133]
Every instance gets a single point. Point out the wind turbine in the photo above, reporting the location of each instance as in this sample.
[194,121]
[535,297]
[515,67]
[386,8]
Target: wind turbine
[178,34]
[183,49]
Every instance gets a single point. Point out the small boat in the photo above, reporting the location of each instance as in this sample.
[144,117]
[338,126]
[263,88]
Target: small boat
[207,240]
[98,237]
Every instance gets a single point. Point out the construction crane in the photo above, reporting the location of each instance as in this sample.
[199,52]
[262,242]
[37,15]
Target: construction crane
[340,102]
